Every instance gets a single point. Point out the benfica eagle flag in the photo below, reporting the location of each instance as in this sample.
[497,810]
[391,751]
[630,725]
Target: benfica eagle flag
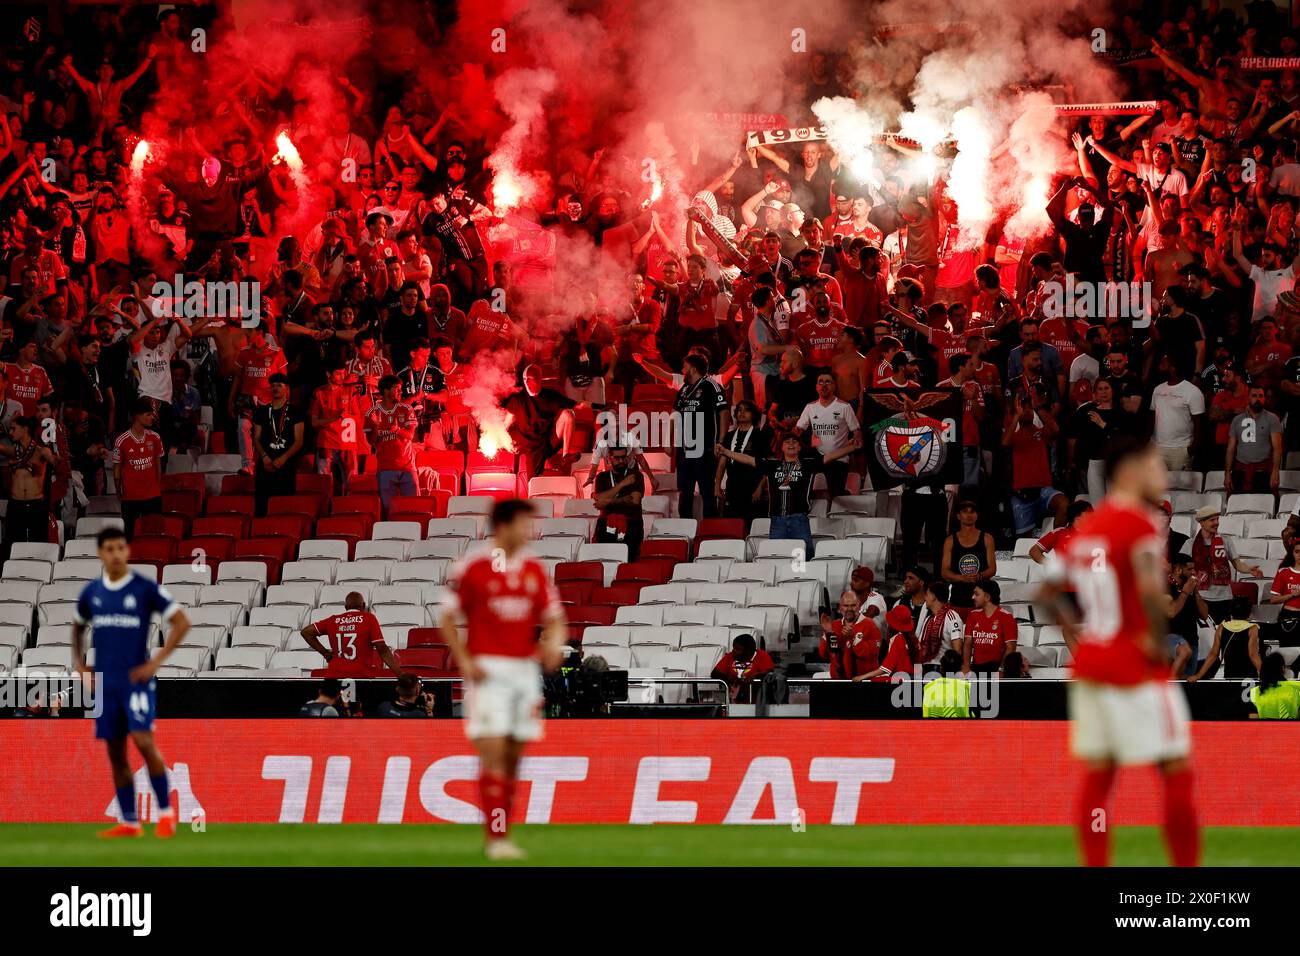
[913,437]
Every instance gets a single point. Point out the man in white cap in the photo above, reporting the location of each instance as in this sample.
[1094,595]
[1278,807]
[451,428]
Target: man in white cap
[1213,561]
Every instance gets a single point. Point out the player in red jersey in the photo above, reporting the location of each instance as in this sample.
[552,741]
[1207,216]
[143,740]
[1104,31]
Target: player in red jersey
[1124,709]
[1057,537]
[507,602]
[356,643]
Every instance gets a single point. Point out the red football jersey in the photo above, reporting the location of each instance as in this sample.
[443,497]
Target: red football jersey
[255,371]
[820,340]
[139,458]
[1100,561]
[862,649]
[948,344]
[26,388]
[488,330]
[1287,581]
[352,636]
[505,602]
[990,634]
[391,446]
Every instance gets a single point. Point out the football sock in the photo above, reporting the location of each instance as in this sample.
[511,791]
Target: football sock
[126,803]
[1182,836]
[162,792]
[509,803]
[492,794]
[1093,823]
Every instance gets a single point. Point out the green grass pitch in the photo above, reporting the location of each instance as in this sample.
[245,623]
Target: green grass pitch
[76,845]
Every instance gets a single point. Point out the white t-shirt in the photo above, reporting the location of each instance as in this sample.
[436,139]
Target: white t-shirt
[833,424]
[1175,406]
[1084,367]
[625,440]
[877,600]
[951,630]
[155,367]
[1267,287]
[1169,183]
[1286,179]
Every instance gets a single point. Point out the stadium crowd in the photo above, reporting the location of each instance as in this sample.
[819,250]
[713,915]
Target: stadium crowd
[791,293]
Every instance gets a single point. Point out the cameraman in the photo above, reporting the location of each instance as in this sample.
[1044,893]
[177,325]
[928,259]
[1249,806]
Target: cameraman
[618,495]
[328,702]
[410,702]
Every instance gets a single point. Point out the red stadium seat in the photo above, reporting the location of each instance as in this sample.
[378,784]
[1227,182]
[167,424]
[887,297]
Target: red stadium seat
[175,526]
[427,661]
[618,594]
[238,485]
[231,505]
[575,592]
[721,529]
[153,549]
[188,503]
[674,548]
[477,463]
[450,466]
[363,485]
[211,548]
[345,526]
[652,571]
[498,485]
[295,527]
[309,505]
[358,505]
[272,552]
[188,481]
[408,504]
[281,549]
[592,571]
[424,637]
[575,634]
[230,525]
[310,483]
[437,656]
[1246,589]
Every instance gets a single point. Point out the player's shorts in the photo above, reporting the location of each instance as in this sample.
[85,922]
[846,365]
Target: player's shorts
[1143,724]
[126,709]
[507,702]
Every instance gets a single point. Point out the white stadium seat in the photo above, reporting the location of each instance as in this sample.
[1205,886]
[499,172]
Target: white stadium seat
[383,550]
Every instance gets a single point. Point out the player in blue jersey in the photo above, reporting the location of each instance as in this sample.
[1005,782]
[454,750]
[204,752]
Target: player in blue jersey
[119,609]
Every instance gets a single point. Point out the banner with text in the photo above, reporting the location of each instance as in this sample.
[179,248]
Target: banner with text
[638,771]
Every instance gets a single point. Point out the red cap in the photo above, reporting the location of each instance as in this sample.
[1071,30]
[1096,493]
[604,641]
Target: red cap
[865,573]
[900,619]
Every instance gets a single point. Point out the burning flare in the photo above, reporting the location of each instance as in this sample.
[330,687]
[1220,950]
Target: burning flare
[494,431]
[139,157]
[288,152]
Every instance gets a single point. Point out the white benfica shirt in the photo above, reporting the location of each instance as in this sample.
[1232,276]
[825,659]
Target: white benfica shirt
[833,424]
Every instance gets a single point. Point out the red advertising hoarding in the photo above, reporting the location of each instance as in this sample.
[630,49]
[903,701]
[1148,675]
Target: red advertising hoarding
[641,771]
